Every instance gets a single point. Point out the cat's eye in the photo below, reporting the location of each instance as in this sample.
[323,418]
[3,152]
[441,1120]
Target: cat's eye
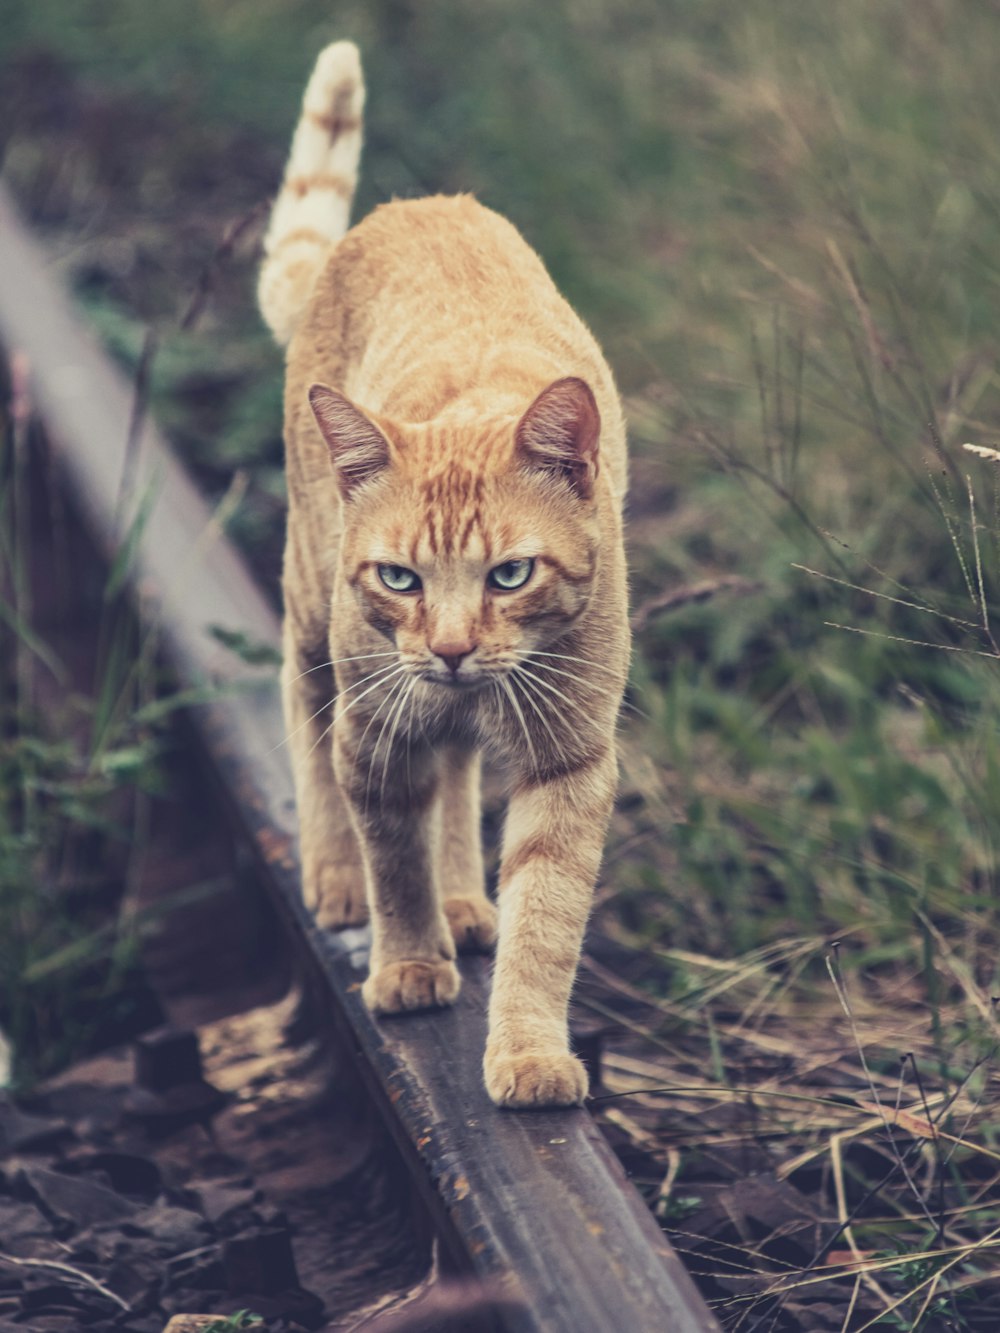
[398,578]
[510,575]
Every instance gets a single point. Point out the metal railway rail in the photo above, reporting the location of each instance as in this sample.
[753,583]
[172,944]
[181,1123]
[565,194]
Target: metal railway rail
[535,1204]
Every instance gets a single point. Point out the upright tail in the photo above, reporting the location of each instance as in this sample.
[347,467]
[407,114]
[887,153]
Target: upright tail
[311,212]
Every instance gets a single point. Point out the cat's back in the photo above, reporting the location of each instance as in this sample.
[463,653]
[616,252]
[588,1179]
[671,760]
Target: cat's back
[449,246]
[428,304]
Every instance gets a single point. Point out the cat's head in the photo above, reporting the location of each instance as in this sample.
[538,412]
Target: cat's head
[469,544]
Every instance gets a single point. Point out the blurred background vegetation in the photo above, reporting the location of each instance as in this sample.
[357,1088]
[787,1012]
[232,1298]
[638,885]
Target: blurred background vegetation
[782,221]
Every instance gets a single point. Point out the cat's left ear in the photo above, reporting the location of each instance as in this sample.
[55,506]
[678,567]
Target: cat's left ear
[560,433]
[358,448]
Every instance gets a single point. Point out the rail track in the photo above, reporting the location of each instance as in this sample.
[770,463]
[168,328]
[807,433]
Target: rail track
[534,1204]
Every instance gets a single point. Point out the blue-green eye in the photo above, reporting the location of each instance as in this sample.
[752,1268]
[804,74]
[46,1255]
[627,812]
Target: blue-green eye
[398,579]
[510,575]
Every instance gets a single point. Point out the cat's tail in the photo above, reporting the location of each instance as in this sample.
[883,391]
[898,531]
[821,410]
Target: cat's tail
[311,213]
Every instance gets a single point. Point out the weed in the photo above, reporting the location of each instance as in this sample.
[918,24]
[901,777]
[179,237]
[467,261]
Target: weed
[234,1322]
[66,813]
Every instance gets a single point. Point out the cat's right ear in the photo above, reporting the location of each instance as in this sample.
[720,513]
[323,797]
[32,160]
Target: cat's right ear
[560,433]
[358,448]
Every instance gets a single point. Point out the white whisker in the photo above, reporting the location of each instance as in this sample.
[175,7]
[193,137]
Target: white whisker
[361,657]
[567,657]
[552,689]
[329,703]
[529,695]
[580,679]
[409,732]
[509,691]
[340,714]
[392,699]
[587,684]
[396,717]
[364,735]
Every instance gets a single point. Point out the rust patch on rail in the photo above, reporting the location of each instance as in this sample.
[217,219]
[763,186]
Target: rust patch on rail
[277,848]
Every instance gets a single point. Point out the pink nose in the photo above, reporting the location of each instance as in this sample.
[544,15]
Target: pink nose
[452,654]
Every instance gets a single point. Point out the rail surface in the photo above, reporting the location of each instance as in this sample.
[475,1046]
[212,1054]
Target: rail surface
[534,1203]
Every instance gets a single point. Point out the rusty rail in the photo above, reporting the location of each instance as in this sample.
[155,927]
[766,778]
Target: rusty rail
[535,1204]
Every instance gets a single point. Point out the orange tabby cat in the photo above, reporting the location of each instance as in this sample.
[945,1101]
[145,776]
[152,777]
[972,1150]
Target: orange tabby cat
[456,472]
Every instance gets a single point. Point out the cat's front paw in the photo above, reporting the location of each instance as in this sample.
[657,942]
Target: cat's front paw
[553,1078]
[401,987]
[473,923]
[335,895]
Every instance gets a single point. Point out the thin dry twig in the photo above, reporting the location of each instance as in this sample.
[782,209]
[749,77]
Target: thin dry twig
[206,278]
[692,593]
[69,1271]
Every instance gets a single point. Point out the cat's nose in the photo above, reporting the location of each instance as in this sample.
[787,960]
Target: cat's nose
[452,654]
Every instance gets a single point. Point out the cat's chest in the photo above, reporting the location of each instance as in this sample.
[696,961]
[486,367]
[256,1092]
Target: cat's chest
[509,729]
[447,716]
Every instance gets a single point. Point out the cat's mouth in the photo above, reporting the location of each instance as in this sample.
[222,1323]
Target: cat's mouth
[458,681]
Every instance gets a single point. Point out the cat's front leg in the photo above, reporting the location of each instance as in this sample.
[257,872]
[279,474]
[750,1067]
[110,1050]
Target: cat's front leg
[552,852]
[471,915]
[412,955]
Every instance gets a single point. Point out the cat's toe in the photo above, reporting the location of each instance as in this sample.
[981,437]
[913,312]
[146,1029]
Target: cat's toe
[401,987]
[535,1080]
[473,923]
[337,899]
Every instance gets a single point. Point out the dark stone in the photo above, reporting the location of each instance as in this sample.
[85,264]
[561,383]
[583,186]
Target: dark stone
[75,1200]
[136,1278]
[20,1132]
[149,1324]
[126,1173]
[200,1271]
[50,1323]
[167,1058]
[169,1090]
[52,1296]
[186,1104]
[176,1229]
[35,1247]
[219,1201]
[260,1261]
[21,1221]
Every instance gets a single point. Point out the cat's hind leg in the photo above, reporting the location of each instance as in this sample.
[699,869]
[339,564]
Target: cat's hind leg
[470,914]
[333,884]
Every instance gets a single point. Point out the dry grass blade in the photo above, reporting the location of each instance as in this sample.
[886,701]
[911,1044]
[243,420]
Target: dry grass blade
[914,643]
[965,1252]
[983,451]
[878,350]
[843,1217]
[887,597]
[974,528]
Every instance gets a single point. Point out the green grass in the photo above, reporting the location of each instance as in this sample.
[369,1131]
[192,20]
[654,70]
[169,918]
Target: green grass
[782,222]
[242,1319]
[77,770]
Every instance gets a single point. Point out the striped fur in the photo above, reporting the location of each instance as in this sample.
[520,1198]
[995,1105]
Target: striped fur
[312,209]
[446,414]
